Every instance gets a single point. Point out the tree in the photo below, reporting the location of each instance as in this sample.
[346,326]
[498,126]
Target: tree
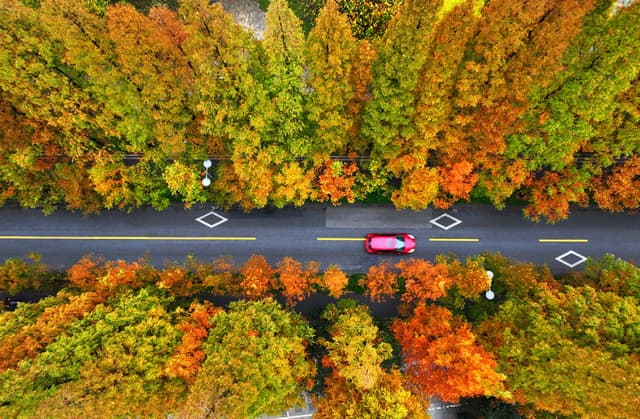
[255,363]
[232,105]
[184,180]
[369,18]
[419,189]
[552,194]
[126,373]
[331,50]
[148,55]
[380,282]
[568,351]
[109,361]
[361,77]
[353,348]
[38,83]
[620,190]
[294,280]
[284,48]
[187,359]
[257,277]
[293,184]
[387,399]
[469,279]
[611,274]
[336,181]
[19,274]
[442,357]
[121,114]
[401,52]
[423,281]
[334,281]
[177,281]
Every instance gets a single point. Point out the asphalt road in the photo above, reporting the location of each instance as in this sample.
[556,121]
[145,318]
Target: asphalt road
[329,235]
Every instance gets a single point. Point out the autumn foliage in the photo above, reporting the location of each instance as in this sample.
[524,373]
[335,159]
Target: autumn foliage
[423,280]
[427,102]
[442,356]
[380,282]
[188,357]
[122,339]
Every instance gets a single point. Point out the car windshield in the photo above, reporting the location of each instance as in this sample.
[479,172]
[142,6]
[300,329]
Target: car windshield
[399,243]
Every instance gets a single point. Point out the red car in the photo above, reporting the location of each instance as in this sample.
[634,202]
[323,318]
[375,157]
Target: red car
[390,243]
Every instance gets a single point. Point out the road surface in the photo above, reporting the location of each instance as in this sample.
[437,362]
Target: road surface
[329,235]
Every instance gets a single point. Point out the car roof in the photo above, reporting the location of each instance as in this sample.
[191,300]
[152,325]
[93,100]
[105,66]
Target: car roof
[383,242]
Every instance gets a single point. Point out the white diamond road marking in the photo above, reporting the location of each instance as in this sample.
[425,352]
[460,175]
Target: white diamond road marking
[580,257]
[202,219]
[445,215]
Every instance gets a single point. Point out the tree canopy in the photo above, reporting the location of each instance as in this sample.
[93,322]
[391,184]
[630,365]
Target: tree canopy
[422,102]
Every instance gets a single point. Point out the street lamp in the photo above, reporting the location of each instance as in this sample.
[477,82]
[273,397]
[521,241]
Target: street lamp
[206,181]
[490,295]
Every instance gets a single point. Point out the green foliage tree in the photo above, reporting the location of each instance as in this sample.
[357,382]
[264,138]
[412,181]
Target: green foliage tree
[401,53]
[354,349]
[568,351]
[256,363]
[230,100]
[387,121]
[109,363]
[369,18]
[359,386]
[331,49]
[19,274]
[284,48]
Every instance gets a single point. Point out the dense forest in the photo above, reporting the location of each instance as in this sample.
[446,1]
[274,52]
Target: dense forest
[125,339]
[420,102]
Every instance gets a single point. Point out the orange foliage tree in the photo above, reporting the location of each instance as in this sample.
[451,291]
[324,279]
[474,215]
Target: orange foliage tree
[419,189]
[423,280]
[216,276]
[84,273]
[34,338]
[621,189]
[334,280]
[470,278]
[442,358]
[188,356]
[178,281]
[120,275]
[257,277]
[295,280]
[456,182]
[380,282]
[551,195]
[336,181]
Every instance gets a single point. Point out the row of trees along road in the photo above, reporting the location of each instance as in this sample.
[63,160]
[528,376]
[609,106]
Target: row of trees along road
[127,339]
[448,100]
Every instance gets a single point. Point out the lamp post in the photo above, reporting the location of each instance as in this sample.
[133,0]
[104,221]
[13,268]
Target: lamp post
[206,181]
[490,295]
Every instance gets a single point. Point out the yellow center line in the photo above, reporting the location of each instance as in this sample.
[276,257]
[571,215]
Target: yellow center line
[563,240]
[159,238]
[340,238]
[433,239]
